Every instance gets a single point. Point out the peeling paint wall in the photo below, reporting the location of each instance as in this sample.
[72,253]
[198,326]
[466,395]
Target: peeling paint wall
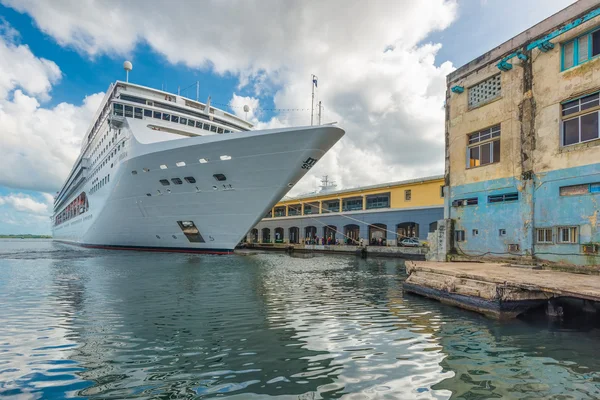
[532,160]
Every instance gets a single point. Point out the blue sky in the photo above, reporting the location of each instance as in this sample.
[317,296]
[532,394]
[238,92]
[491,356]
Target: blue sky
[264,53]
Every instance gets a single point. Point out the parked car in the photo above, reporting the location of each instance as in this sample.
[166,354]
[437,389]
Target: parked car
[410,242]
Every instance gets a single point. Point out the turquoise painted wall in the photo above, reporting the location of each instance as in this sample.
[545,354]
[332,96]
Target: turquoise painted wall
[539,205]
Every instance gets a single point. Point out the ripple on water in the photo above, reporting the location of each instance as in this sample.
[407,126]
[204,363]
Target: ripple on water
[112,325]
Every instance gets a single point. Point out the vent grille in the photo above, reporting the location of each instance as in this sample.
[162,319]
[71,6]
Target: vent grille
[513,248]
[485,91]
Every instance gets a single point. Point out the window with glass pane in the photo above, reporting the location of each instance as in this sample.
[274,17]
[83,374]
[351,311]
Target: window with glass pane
[544,235]
[487,152]
[352,205]
[118,109]
[595,43]
[581,128]
[128,111]
[568,234]
[378,202]
[583,49]
[568,54]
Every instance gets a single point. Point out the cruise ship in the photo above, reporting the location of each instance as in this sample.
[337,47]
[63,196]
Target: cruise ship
[161,172]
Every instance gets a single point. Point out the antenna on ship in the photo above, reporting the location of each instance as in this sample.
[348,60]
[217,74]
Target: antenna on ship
[127,66]
[327,185]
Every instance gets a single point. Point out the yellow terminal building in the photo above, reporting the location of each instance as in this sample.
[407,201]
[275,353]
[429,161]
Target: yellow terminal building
[380,214]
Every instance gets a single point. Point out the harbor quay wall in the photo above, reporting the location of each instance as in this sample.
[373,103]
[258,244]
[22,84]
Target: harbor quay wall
[504,291]
[523,145]
[412,253]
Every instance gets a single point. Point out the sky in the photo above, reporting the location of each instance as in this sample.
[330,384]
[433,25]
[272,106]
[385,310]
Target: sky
[381,68]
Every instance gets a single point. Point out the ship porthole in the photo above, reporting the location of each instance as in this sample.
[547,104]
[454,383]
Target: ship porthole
[174,237]
[158,237]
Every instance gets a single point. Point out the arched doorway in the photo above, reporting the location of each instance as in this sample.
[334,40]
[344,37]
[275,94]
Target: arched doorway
[294,234]
[254,235]
[310,232]
[266,235]
[407,230]
[378,234]
[329,232]
[352,234]
[278,235]
[433,226]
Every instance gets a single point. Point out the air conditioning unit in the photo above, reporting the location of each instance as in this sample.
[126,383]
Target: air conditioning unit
[513,248]
[589,248]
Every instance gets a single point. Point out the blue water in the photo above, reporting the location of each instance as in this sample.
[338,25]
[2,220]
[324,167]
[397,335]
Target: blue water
[117,324]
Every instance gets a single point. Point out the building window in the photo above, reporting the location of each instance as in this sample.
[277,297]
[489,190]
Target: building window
[581,49]
[380,201]
[473,201]
[543,235]
[485,91]
[499,198]
[459,236]
[352,204]
[333,206]
[294,210]
[574,190]
[407,195]
[279,211]
[442,191]
[484,147]
[580,120]
[567,234]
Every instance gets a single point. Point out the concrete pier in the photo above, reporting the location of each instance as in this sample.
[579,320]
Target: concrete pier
[502,291]
[415,253]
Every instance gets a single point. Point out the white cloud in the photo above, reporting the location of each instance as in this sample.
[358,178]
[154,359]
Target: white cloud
[27,204]
[20,68]
[39,145]
[376,77]
[237,104]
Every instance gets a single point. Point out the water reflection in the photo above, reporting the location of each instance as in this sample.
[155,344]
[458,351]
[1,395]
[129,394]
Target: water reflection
[101,324]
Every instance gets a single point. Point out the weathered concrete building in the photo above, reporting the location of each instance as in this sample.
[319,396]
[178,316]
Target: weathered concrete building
[522,144]
[383,213]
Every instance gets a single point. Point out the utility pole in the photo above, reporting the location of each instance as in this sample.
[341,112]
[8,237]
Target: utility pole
[178,90]
[319,112]
[312,103]
[197,90]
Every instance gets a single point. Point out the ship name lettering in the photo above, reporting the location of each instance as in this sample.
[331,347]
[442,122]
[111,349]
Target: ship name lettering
[308,164]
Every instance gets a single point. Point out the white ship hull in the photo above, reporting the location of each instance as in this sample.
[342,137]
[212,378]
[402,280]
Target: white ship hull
[133,210]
